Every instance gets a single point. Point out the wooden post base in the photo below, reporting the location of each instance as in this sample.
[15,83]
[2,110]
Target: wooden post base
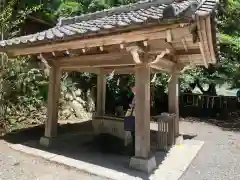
[143,164]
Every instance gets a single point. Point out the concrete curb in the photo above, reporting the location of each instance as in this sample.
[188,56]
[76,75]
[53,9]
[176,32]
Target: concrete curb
[79,165]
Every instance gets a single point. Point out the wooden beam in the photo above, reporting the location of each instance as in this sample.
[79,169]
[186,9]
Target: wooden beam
[142,112]
[105,70]
[95,63]
[159,68]
[119,69]
[89,58]
[108,70]
[124,70]
[196,58]
[157,32]
[113,56]
[81,69]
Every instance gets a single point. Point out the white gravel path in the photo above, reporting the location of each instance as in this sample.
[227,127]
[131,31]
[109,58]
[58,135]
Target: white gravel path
[219,159]
[18,166]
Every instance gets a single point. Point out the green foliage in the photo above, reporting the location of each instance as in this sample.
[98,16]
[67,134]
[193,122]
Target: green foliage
[19,83]
[21,89]
[227,69]
[11,19]
[22,82]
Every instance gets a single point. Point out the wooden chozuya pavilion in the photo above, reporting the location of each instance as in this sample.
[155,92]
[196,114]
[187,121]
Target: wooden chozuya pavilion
[141,38]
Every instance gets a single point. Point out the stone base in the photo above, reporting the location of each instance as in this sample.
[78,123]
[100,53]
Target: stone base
[142,164]
[46,141]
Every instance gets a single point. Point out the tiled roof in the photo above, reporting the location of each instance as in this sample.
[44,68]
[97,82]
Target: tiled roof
[123,16]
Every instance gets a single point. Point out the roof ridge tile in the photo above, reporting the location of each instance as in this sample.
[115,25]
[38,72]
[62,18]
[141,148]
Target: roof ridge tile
[114,10]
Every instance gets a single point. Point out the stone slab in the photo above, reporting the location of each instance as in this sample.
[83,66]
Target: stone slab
[171,167]
[177,160]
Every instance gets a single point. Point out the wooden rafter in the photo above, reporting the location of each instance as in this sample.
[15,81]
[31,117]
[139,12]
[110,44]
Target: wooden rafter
[124,38]
[106,70]
[209,37]
[178,52]
[203,44]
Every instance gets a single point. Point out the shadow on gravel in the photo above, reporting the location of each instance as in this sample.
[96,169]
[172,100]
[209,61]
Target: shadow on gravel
[36,132]
[226,125]
[189,136]
[77,141]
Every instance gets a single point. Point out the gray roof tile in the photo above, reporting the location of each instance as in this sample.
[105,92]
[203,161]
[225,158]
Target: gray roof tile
[57,33]
[138,13]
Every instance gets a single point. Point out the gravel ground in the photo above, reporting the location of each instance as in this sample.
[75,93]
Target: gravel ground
[219,159]
[18,166]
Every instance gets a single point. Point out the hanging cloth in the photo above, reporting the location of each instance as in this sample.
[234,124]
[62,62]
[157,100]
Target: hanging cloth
[129,120]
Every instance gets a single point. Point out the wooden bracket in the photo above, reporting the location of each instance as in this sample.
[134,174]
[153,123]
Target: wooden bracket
[190,66]
[134,50]
[175,70]
[44,61]
[169,36]
[160,56]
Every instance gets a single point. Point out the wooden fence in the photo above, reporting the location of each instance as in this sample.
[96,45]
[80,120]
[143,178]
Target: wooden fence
[166,133]
[200,105]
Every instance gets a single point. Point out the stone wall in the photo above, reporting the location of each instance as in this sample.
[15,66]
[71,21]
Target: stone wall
[77,105]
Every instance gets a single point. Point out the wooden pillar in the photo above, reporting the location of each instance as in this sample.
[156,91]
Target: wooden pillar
[101,94]
[173,98]
[142,112]
[53,100]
